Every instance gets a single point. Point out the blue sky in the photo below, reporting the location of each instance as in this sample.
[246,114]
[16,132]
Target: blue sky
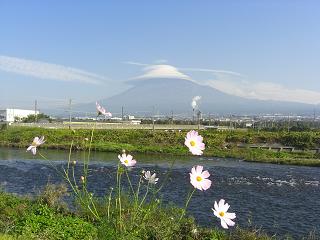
[87,50]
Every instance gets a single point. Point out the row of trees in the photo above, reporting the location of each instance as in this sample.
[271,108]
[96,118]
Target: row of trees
[34,118]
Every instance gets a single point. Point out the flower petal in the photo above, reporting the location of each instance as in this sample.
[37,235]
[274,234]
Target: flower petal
[206,184]
[225,207]
[216,207]
[230,215]
[205,174]
[224,224]
[221,204]
[199,169]
[229,221]
[34,150]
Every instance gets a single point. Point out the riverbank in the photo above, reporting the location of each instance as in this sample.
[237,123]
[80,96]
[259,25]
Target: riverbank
[218,144]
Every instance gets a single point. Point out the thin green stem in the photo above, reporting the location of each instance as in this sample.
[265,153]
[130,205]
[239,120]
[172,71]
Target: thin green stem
[92,203]
[119,196]
[74,179]
[186,205]
[129,181]
[86,164]
[69,157]
[138,190]
[144,197]
[167,177]
[51,164]
[109,202]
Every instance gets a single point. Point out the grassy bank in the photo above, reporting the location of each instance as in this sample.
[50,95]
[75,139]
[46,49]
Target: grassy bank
[46,217]
[219,144]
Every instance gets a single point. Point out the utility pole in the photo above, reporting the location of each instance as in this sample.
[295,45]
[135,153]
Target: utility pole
[192,115]
[199,117]
[35,111]
[153,118]
[171,117]
[122,113]
[70,101]
[314,117]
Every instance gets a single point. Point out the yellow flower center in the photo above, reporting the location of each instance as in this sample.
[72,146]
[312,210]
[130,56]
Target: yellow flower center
[34,144]
[192,143]
[199,178]
[126,161]
[221,214]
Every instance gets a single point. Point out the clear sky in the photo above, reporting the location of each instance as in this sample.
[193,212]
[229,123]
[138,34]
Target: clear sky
[87,50]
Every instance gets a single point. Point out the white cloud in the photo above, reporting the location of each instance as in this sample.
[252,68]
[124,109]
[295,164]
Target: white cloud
[162,71]
[214,71]
[265,91]
[45,70]
[232,83]
[136,63]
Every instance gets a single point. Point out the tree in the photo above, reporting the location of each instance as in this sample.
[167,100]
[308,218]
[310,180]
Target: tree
[40,117]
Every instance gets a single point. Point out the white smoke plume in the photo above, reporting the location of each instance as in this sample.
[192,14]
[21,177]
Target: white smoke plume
[194,101]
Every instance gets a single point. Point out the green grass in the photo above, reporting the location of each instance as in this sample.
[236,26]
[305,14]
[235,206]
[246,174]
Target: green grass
[26,218]
[147,141]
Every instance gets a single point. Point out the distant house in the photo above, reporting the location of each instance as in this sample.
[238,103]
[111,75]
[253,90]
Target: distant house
[128,117]
[10,114]
[135,122]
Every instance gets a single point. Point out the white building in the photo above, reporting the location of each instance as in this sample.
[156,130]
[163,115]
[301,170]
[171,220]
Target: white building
[135,122]
[9,114]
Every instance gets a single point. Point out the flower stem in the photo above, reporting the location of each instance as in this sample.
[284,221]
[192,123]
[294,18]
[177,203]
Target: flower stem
[138,190]
[167,176]
[119,195]
[109,201]
[130,184]
[186,205]
[145,195]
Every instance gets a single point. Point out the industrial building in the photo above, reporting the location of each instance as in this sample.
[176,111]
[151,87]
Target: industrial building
[9,114]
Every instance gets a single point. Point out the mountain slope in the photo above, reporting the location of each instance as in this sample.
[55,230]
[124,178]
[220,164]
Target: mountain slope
[167,95]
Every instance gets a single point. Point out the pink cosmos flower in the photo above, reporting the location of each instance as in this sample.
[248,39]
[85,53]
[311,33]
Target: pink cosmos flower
[194,142]
[127,160]
[221,211]
[36,143]
[102,110]
[199,179]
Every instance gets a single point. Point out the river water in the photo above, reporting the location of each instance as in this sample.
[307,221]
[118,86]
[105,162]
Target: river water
[276,198]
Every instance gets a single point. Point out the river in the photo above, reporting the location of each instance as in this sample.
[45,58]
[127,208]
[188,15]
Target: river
[279,199]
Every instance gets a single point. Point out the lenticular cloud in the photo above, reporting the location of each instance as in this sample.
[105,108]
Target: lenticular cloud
[47,70]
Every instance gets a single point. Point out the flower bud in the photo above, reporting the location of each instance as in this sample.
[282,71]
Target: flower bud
[82,179]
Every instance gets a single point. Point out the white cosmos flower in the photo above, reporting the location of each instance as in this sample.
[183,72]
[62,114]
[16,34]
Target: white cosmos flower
[36,143]
[102,110]
[150,178]
[221,211]
[127,160]
[194,142]
[199,179]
